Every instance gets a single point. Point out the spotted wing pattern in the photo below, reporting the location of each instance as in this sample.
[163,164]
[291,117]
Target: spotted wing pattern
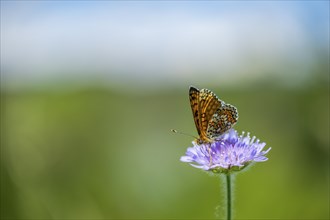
[222,120]
[212,116]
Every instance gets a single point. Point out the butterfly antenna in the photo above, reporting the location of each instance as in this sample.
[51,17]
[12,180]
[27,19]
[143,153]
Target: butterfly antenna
[178,132]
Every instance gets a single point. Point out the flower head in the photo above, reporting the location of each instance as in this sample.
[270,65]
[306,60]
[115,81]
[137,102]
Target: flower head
[228,152]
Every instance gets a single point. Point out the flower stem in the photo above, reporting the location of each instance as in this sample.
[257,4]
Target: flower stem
[228,178]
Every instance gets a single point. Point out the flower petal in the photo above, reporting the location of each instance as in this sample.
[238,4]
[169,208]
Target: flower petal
[227,151]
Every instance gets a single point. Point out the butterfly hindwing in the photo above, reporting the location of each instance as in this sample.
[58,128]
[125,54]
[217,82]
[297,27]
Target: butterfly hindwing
[222,120]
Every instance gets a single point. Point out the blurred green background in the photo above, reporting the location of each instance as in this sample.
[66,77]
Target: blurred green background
[93,141]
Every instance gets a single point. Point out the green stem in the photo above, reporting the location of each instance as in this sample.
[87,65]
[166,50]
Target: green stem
[228,178]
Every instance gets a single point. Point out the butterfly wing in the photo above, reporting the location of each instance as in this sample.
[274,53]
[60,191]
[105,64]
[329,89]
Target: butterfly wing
[209,104]
[222,120]
[194,104]
[204,103]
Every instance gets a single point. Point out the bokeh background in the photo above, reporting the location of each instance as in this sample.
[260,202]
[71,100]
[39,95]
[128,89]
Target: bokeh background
[90,91]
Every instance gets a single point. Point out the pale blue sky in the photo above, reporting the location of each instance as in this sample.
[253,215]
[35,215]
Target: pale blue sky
[161,41]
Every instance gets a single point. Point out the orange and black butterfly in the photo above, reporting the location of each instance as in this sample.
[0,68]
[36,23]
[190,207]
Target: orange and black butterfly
[212,116]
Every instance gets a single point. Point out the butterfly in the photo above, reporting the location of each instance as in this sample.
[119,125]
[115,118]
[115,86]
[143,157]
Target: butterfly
[212,116]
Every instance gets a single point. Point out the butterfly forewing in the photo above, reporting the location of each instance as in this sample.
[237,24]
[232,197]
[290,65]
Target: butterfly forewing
[204,104]
[194,103]
[209,103]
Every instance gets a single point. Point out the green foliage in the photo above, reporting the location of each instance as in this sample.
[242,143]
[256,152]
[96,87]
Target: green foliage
[95,153]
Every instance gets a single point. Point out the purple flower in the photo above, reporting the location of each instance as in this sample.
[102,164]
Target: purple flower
[229,152]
